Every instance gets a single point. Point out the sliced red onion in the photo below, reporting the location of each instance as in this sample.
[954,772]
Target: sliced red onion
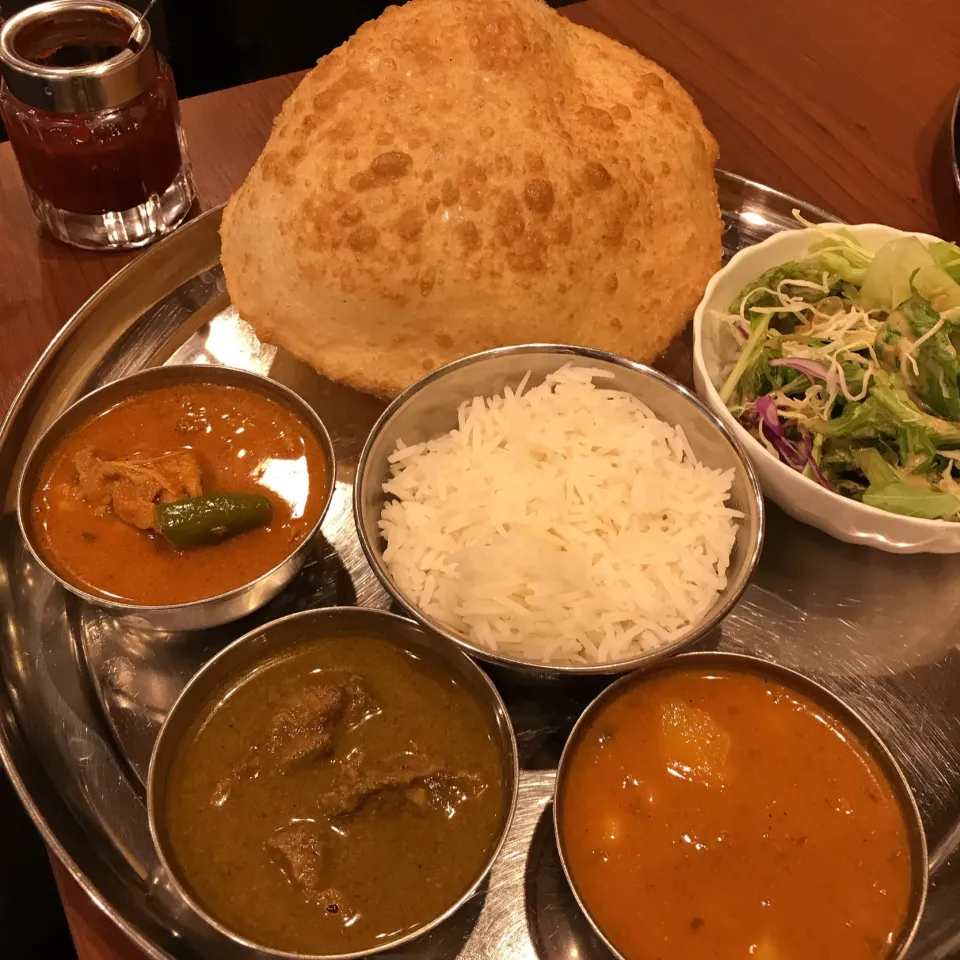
[818,473]
[773,431]
[787,451]
[811,369]
[742,330]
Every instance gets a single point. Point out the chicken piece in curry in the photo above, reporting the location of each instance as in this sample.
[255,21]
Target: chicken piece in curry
[138,503]
[335,797]
[130,487]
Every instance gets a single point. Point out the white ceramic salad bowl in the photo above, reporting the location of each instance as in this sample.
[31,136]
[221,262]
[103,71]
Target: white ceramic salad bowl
[804,499]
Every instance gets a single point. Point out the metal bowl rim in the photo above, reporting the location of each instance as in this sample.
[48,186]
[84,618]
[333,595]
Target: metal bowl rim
[507,745]
[260,384]
[373,553]
[871,740]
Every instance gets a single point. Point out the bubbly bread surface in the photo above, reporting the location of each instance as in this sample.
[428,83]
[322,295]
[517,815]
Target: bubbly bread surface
[467,174]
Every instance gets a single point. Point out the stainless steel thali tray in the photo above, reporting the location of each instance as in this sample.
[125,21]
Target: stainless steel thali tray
[82,699]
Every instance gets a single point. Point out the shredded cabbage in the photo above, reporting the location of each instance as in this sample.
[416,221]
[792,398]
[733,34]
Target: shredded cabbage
[847,360]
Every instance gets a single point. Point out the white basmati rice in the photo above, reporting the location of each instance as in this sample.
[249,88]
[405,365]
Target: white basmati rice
[566,524]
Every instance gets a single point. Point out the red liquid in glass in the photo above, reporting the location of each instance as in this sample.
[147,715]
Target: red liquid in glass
[98,162]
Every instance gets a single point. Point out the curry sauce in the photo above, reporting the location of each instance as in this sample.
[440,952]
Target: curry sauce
[336,797]
[166,444]
[718,813]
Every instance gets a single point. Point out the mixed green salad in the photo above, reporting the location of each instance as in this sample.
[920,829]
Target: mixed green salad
[845,365]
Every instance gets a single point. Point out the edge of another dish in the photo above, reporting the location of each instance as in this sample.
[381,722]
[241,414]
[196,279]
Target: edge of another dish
[955,140]
[316,623]
[871,741]
[806,501]
[209,611]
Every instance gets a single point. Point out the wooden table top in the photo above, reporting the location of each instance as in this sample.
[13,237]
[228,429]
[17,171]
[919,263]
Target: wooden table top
[843,104]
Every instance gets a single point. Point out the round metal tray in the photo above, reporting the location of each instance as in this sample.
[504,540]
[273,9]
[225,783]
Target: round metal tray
[82,699]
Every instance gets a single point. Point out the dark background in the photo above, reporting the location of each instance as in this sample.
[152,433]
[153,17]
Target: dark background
[213,44]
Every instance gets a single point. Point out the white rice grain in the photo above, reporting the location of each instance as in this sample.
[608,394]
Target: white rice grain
[565,524]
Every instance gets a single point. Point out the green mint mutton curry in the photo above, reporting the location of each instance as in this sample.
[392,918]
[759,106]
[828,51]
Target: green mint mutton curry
[335,797]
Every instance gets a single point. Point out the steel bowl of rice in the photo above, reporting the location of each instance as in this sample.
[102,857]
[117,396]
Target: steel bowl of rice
[558,510]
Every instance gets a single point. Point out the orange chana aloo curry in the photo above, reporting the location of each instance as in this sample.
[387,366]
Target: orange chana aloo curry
[103,493]
[718,813]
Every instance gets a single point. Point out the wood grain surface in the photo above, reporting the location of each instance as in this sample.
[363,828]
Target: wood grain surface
[43,282]
[841,102]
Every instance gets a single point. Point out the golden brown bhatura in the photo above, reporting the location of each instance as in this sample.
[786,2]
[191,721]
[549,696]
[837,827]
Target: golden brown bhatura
[466,174]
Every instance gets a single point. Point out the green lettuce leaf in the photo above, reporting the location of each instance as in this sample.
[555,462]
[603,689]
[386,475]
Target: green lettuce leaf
[887,393]
[877,471]
[809,270]
[841,255]
[887,280]
[947,256]
[748,357]
[864,420]
[936,383]
[888,412]
[838,455]
[902,265]
[890,491]
[910,501]
[936,285]
[917,450]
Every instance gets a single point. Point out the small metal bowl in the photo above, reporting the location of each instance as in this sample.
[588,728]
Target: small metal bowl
[429,409]
[276,637]
[719,660]
[197,614]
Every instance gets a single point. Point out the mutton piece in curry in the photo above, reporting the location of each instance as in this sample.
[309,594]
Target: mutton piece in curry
[110,488]
[334,797]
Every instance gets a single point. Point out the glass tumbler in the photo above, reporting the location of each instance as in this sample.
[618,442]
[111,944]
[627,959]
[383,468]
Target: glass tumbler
[91,111]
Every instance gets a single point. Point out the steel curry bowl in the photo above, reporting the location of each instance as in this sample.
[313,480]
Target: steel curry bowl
[221,607]
[347,635]
[429,408]
[597,731]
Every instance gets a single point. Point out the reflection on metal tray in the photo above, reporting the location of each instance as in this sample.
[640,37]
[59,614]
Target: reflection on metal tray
[82,699]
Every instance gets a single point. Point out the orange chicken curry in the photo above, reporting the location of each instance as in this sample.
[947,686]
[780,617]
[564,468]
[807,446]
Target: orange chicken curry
[179,494]
[718,813]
